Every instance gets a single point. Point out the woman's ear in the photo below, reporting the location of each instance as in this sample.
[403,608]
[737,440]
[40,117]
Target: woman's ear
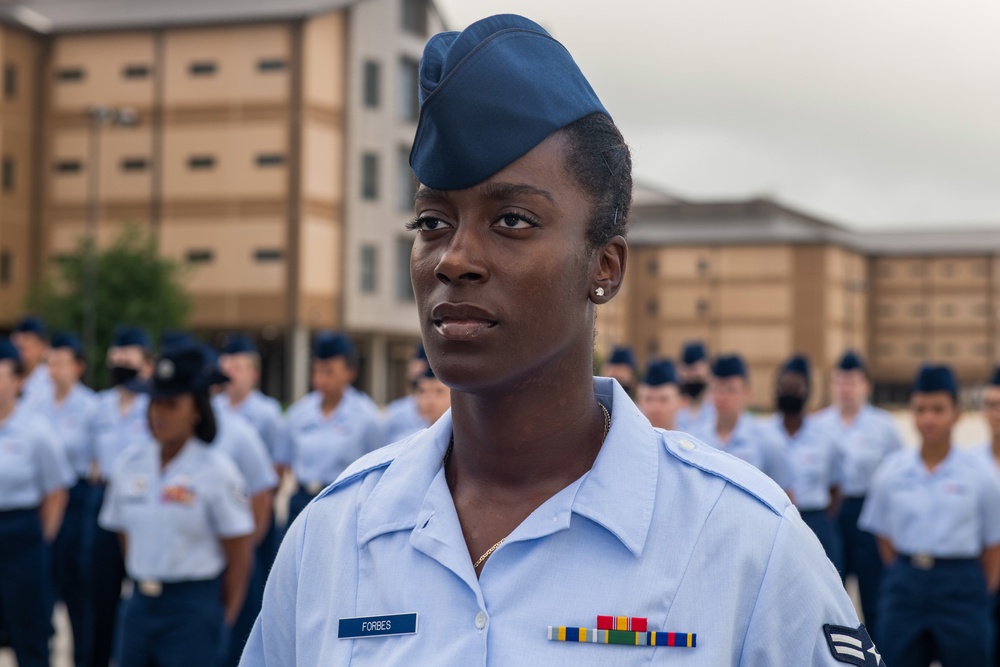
[609,270]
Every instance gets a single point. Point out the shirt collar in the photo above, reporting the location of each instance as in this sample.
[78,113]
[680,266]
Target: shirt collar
[629,459]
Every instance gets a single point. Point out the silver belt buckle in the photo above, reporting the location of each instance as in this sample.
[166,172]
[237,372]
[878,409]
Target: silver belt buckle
[922,561]
[151,589]
[313,488]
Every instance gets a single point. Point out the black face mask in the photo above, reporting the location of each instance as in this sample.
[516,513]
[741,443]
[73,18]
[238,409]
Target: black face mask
[693,389]
[790,405]
[119,375]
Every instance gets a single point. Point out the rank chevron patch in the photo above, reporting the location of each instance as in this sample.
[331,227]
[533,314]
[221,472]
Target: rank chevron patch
[852,646]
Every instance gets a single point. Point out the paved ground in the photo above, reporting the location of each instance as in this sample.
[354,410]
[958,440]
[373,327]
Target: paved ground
[971,431]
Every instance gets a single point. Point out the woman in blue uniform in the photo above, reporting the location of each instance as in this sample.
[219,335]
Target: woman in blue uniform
[182,513]
[812,455]
[544,499]
[990,452]
[34,476]
[936,515]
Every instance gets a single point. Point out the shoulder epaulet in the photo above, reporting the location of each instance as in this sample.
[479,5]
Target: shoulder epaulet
[739,473]
[380,458]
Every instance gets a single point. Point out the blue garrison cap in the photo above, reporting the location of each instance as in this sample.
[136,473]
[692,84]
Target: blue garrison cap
[659,373]
[693,352]
[329,345]
[182,370]
[127,336]
[623,355]
[935,378]
[797,364]
[176,338]
[67,341]
[9,351]
[727,366]
[239,344]
[490,94]
[32,324]
[995,380]
[851,361]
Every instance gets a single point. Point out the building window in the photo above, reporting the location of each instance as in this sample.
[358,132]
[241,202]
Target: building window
[271,65]
[415,17]
[200,256]
[6,267]
[369,176]
[206,68]
[409,103]
[917,310]
[948,309]
[136,71]
[948,350]
[885,349]
[947,270]
[268,255]
[372,83]
[653,307]
[917,350]
[406,182]
[135,164]
[917,270]
[885,310]
[270,160]
[369,269]
[8,174]
[70,74]
[702,266]
[702,307]
[69,167]
[10,81]
[653,266]
[201,162]
[404,288]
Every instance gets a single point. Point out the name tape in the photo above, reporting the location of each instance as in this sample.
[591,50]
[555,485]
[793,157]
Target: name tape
[377,626]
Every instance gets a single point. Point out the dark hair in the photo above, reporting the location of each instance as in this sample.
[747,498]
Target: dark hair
[600,161]
[206,428]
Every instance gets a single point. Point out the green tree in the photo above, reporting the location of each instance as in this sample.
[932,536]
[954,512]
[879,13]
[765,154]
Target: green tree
[135,285]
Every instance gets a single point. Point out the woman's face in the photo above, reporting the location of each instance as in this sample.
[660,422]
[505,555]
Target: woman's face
[172,419]
[503,274]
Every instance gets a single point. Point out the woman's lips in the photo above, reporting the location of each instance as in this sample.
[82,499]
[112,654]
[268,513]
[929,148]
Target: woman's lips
[463,329]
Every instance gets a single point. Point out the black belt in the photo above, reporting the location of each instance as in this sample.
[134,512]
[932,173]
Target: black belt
[928,562]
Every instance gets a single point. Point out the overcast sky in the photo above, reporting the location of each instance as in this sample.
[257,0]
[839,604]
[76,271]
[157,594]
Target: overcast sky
[872,113]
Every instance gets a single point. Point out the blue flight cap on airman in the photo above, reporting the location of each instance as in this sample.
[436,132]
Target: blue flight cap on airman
[995,380]
[176,338]
[128,336]
[851,361]
[63,340]
[238,344]
[731,365]
[935,378]
[182,370]
[428,374]
[33,325]
[693,352]
[797,364]
[489,95]
[659,373]
[9,352]
[329,345]
[622,356]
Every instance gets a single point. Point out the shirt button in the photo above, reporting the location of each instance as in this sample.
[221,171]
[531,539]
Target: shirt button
[480,620]
[686,444]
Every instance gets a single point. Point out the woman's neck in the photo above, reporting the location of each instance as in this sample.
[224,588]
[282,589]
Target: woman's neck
[6,410]
[330,401]
[170,450]
[932,453]
[793,422]
[62,392]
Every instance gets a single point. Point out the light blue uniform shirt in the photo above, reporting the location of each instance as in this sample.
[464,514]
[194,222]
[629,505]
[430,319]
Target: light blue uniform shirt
[237,439]
[32,464]
[704,420]
[753,443]
[402,419]
[662,527]
[814,461]
[863,444]
[174,518]
[265,414]
[73,424]
[37,387]
[953,512]
[321,446]
[114,432]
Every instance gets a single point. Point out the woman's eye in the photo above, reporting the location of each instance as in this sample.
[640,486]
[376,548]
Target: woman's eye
[426,224]
[516,221]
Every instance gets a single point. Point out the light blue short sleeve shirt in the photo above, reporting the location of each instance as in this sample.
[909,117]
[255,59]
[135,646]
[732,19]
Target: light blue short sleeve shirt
[72,422]
[265,414]
[32,464]
[115,431]
[402,419]
[813,460]
[174,518]
[662,527]
[237,439]
[753,443]
[863,444]
[952,512]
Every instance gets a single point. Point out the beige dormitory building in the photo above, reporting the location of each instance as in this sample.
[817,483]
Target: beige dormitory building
[270,156]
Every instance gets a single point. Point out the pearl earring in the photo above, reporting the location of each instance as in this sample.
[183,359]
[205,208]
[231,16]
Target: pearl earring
[599,291]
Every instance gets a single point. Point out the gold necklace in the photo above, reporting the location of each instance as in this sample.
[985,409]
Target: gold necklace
[447,455]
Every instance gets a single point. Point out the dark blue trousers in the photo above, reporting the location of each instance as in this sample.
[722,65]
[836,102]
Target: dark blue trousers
[937,614]
[862,560]
[182,627]
[72,567]
[23,578]
[826,530]
[107,572]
